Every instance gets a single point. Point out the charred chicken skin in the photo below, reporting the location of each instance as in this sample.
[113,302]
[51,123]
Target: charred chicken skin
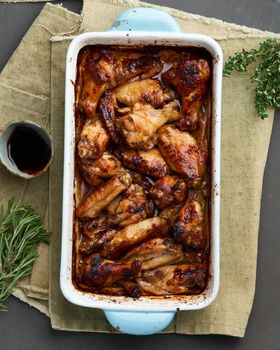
[189,77]
[104,69]
[141,182]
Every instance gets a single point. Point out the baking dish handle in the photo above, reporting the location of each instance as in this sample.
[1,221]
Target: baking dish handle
[145,19]
[139,322]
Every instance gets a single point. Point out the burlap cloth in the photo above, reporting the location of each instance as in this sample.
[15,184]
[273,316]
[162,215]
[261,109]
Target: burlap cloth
[29,91]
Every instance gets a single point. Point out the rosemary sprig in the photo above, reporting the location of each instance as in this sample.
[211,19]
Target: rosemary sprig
[266,76]
[21,229]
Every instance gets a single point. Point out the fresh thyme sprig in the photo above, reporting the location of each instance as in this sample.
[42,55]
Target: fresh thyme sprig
[266,76]
[21,229]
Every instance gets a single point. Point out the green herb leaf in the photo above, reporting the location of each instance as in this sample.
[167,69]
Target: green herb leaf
[21,229]
[266,76]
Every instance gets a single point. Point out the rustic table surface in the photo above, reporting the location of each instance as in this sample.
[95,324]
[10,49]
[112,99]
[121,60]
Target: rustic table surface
[23,327]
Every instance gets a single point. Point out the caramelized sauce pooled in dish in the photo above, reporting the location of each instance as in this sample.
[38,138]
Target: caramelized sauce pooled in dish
[142,173]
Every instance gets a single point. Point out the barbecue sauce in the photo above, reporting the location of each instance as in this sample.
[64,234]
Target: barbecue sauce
[28,150]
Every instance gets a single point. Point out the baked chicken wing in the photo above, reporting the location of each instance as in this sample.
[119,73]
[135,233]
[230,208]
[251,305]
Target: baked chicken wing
[96,171]
[182,152]
[140,126]
[148,91]
[190,228]
[189,77]
[130,236]
[130,207]
[93,139]
[98,272]
[174,279]
[156,252]
[149,163]
[98,199]
[168,190]
[105,69]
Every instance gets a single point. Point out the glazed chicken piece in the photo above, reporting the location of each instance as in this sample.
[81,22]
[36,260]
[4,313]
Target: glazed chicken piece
[168,190]
[130,236]
[96,171]
[189,77]
[93,139]
[182,152]
[98,272]
[96,241]
[105,69]
[140,126]
[190,227]
[174,279]
[149,163]
[130,207]
[148,91]
[99,198]
[156,252]
[91,227]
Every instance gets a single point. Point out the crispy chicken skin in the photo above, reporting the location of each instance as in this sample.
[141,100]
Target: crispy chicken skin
[104,69]
[174,279]
[99,198]
[139,127]
[168,190]
[190,228]
[189,77]
[156,252]
[98,272]
[182,152]
[93,139]
[149,163]
[130,236]
[96,171]
[130,207]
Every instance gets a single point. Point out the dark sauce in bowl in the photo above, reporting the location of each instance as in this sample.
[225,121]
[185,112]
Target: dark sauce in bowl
[28,150]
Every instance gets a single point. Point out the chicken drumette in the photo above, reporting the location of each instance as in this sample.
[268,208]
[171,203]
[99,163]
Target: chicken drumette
[190,227]
[130,207]
[189,77]
[122,98]
[139,127]
[97,171]
[149,163]
[97,272]
[168,190]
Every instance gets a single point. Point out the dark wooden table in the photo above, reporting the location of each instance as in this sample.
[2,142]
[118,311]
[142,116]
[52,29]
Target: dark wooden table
[23,327]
